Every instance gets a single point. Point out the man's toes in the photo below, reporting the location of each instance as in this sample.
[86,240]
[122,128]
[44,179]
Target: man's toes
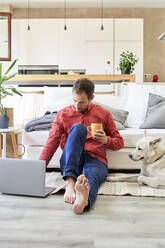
[85,180]
[80,178]
[72,199]
[65,199]
[69,199]
[87,186]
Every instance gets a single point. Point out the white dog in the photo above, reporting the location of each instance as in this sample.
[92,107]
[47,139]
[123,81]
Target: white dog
[152,154]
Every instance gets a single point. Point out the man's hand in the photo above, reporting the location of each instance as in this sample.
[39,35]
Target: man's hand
[100,136]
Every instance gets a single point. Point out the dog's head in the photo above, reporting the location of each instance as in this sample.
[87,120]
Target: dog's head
[147,150]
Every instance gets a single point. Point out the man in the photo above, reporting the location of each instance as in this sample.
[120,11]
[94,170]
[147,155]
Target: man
[83,162]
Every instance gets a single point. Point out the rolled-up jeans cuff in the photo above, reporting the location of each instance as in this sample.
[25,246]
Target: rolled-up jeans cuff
[69,175]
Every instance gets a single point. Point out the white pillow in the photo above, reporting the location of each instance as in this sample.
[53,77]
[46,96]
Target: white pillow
[56,98]
[112,101]
[58,105]
[137,102]
[54,94]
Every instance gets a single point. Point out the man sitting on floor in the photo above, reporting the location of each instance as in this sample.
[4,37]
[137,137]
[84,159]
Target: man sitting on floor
[83,162]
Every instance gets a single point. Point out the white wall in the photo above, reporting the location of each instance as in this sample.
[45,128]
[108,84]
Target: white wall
[82,46]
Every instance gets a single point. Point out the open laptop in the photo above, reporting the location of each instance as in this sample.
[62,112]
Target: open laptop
[23,177]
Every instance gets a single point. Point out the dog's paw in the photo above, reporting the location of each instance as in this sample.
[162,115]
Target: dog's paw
[140,180]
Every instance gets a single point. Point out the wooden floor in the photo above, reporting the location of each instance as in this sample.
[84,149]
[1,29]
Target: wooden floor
[113,222]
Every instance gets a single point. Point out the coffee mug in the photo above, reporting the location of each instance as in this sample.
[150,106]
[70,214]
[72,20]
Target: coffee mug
[94,127]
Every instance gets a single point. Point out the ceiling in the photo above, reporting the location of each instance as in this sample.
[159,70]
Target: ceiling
[86,3]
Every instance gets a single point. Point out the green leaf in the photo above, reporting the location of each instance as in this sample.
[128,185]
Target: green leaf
[16,91]
[7,78]
[9,90]
[3,110]
[4,93]
[14,62]
[127,61]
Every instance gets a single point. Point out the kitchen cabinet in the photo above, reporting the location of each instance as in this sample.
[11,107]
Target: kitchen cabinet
[82,46]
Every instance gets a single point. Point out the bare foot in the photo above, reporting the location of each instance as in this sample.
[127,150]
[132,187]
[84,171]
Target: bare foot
[70,193]
[82,193]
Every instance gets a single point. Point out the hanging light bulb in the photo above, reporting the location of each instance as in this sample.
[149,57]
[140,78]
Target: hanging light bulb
[28,28]
[102,26]
[65,27]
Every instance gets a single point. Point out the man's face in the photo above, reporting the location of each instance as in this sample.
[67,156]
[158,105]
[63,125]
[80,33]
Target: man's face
[81,101]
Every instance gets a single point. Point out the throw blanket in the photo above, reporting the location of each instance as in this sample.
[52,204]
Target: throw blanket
[43,123]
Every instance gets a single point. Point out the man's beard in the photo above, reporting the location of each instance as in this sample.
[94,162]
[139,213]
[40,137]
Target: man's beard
[82,110]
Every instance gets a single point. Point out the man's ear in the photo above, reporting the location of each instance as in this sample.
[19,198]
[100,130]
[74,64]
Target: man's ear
[155,141]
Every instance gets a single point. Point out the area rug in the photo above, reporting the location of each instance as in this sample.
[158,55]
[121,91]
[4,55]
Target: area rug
[116,184]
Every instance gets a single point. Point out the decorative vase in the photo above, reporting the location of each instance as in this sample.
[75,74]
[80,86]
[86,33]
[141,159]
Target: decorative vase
[4,122]
[127,71]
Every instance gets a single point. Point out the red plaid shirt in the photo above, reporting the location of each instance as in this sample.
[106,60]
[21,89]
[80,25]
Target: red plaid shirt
[67,117]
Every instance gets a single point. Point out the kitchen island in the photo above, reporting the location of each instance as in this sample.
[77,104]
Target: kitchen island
[39,80]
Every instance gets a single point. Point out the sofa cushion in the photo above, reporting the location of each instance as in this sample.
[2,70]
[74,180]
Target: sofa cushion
[155,112]
[53,95]
[138,95]
[57,105]
[130,136]
[56,98]
[116,159]
[33,152]
[120,160]
[117,102]
[35,141]
[36,138]
[118,115]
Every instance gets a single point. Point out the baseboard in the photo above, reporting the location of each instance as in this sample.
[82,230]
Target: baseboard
[136,171]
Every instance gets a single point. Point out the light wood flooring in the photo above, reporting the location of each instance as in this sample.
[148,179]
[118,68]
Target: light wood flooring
[114,222]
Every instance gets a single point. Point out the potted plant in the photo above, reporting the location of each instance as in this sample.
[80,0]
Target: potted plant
[4,92]
[127,62]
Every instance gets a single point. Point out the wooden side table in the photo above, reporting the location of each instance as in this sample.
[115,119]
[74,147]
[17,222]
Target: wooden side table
[3,133]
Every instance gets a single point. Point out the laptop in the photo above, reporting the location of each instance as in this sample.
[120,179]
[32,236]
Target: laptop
[23,177]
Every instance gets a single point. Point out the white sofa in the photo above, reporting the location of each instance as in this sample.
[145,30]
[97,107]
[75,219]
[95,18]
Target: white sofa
[135,101]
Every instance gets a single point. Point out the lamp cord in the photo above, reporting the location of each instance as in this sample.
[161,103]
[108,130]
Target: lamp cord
[28,17]
[65,27]
[102,27]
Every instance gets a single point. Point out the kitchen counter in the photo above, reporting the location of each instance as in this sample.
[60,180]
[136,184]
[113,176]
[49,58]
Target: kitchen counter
[51,79]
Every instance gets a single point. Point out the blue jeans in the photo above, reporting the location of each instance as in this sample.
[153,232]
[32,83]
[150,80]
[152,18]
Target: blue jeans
[76,161]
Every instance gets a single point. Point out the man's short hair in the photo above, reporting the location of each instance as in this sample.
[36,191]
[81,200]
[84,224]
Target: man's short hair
[84,85]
